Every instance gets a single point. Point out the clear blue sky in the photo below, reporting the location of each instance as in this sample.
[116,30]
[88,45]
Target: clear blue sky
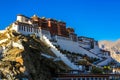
[99,19]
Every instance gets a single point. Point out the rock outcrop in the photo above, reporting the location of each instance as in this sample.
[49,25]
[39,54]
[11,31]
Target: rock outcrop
[20,57]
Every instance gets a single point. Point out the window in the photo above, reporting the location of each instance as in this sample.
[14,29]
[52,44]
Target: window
[83,78]
[74,78]
[79,78]
[27,28]
[19,27]
[91,78]
[100,79]
[26,20]
[31,29]
[34,30]
[24,28]
[87,78]
[37,30]
[65,79]
[95,78]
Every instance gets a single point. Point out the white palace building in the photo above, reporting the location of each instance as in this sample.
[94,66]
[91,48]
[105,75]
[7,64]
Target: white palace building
[54,32]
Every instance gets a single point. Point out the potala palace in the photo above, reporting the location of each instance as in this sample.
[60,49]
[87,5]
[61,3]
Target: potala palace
[55,33]
[79,53]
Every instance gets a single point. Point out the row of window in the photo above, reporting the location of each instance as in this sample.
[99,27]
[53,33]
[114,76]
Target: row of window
[82,79]
[28,29]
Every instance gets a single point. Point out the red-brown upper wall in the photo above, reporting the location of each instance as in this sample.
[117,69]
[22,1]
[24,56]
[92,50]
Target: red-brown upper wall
[55,27]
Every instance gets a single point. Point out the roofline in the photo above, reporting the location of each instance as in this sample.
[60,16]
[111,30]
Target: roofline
[23,16]
[85,37]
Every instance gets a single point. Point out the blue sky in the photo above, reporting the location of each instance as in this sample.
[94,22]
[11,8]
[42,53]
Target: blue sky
[99,19]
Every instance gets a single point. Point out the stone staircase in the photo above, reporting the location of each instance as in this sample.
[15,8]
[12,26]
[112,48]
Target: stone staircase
[104,62]
[59,54]
[89,51]
[101,62]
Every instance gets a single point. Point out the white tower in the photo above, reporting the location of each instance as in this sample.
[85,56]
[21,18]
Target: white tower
[20,18]
[23,19]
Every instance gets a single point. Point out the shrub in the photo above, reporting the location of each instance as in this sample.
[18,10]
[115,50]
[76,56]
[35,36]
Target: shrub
[96,70]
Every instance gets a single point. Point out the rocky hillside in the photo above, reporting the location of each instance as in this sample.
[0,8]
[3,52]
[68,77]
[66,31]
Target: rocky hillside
[22,57]
[113,47]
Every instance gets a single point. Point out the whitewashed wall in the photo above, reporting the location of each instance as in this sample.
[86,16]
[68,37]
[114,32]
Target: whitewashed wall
[59,54]
[46,33]
[73,47]
[85,45]
[105,62]
[23,19]
[39,33]
[116,71]
[27,32]
[96,49]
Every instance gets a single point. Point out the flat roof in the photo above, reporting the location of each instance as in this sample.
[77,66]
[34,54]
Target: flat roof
[23,16]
